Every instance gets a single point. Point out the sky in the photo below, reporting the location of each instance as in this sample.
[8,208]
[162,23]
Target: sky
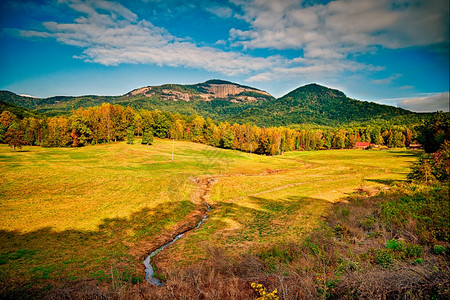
[393,52]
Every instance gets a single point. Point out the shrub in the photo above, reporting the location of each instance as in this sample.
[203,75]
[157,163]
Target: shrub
[368,223]
[412,250]
[264,295]
[438,249]
[340,230]
[394,245]
[422,211]
[345,212]
[384,257]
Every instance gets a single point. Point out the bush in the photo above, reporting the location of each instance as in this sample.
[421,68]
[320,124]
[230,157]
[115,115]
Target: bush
[384,257]
[423,211]
[394,245]
[438,249]
[413,251]
[261,291]
[368,223]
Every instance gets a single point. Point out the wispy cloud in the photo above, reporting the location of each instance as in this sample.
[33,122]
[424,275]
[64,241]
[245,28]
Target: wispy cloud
[428,103]
[111,34]
[220,11]
[387,80]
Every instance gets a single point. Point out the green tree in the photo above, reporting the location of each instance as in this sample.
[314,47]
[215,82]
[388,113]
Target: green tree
[147,137]
[441,160]
[435,131]
[2,132]
[339,139]
[327,139]
[163,124]
[228,139]
[422,170]
[130,135]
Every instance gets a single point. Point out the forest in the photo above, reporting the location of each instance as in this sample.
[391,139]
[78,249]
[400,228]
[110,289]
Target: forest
[109,123]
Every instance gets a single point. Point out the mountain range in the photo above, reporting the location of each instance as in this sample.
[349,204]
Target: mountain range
[227,101]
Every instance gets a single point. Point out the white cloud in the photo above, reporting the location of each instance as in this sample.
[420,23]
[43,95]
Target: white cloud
[387,80]
[341,27]
[111,35]
[220,11]
[429,103]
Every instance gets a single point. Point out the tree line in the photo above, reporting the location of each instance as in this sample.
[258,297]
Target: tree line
[109,123]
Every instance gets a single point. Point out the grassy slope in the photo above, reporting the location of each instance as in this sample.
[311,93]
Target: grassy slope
[80,213]
[253,212]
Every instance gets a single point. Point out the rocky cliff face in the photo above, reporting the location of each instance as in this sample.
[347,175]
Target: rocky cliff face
[206,91]
[140,91]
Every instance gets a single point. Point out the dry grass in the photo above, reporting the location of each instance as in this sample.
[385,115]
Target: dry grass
[70,215]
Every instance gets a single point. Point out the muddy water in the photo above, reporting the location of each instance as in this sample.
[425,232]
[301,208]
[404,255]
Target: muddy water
[149,270]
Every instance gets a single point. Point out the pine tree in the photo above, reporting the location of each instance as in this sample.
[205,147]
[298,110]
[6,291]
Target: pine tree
[130,135]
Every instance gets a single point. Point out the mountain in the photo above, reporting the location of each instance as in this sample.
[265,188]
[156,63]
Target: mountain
[19,111]
[228,101]
[322,105]
[206,91]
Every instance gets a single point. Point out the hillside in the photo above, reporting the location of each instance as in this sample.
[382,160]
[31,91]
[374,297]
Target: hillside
[325,105]
[227,101]
[19,111]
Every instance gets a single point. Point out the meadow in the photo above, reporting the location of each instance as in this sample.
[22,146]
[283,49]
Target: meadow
[93,213]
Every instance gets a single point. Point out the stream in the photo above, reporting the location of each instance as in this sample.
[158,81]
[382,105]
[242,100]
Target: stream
[149,269]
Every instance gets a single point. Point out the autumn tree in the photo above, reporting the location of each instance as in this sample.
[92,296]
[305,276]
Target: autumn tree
[6,118]
[105,125]
[14,137]
[76,138]
[435,131]
[339,139]
[138,124]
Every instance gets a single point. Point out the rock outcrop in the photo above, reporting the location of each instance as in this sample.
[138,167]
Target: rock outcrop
[207,91]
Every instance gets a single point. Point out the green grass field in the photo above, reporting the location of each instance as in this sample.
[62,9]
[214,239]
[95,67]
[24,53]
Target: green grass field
[80,213]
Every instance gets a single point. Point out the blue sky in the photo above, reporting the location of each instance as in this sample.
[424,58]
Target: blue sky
[394,52]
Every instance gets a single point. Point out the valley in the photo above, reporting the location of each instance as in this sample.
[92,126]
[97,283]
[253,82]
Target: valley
[207,196]
[94,213]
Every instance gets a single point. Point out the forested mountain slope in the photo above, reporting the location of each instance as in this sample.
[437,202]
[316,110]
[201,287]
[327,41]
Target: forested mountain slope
[227,101]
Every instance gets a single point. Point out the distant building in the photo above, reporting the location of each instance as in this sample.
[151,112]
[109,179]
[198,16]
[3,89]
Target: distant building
[363,145]
[415,146]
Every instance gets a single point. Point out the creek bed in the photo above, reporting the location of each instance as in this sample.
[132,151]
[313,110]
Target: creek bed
[149,269]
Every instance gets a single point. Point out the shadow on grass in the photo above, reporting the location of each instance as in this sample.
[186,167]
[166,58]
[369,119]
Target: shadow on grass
[36,260]
[385,181]
[409,153]
[260,219]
